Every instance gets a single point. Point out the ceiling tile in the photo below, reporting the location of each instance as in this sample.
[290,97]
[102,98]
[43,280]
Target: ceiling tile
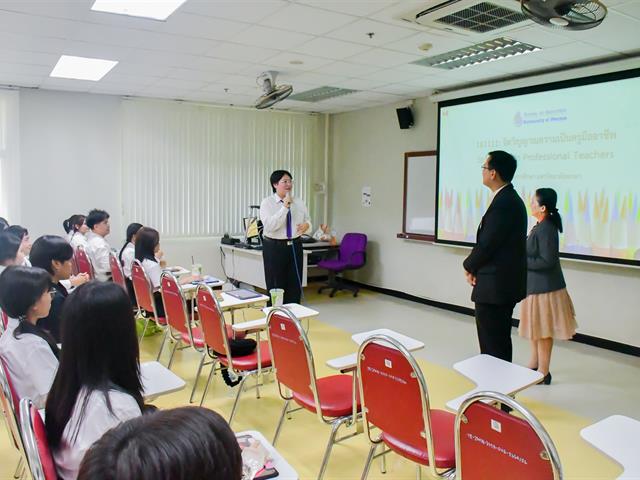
[193,75]
[235,51]
[178,84]
[113,77]
[330,48]
[194,25]
[539,36]
[360,83]
[216,65]
[248,11]
[347,69]
[617,32]
[631,8]
[382,58]
[359,30]
[521,64]
[32,58]
[231,89]
[30,24]
[440,44]
[317,79]
[573,52]
[401,89]
[361,8]
[66,84]
[301,18]
[25,69]
[17,79]
[395,75]
[271,38]
[31,43]
[284,59]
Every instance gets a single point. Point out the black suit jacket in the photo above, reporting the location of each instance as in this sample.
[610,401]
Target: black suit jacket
[499,258]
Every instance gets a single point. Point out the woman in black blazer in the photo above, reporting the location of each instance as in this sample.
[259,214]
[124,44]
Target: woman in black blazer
[547,312]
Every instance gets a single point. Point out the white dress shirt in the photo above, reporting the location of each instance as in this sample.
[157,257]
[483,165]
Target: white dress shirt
[78,437]
[153,271]
[77,239]
[128,255]
[273,214]
[98,250]
[31,364]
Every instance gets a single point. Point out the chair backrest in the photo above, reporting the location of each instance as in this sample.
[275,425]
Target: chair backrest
[489,441]
[175,308]
[291,354]
[9,405]
[212,322]
[117,274]
[36,445]
[82,262]
[394,395]
[4,321]
[142,288]
[353,249]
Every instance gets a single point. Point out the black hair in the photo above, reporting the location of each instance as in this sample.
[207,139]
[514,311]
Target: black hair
[9,246]
[3,224]
[276,177]
[20,289]
[132,229]
[96,216]
[73,223]
[186,443]
[547,197]
[100,354]
[146,242]
[504,163]
[17,230]
[48,248]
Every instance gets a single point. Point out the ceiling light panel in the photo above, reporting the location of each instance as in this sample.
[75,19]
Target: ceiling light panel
[153,9]
[82,68]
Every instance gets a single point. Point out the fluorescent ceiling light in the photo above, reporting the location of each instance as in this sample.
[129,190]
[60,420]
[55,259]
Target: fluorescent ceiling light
[154,9]
[82,68]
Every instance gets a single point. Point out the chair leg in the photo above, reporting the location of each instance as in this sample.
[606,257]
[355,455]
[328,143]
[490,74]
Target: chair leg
[195,382]
[282,415]
[235,403]
[173,352]
[164,340]
[206,387]
[144,330]
[418,472]
[19,469]
[327,452]
[383,464]
[367,465]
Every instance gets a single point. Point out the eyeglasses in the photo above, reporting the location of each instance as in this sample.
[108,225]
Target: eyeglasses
[286,182]
[484,167]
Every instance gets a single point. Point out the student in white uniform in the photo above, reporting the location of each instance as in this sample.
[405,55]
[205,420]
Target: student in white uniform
[30,354]
[25,242]
[76,228]
[98,384]
[10,255]
[98,249]
[127,255]
[186,443]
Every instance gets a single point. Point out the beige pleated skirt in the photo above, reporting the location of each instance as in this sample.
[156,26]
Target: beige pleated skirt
[548,315]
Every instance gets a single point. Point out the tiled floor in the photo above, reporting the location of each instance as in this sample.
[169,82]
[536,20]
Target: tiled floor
[589,384]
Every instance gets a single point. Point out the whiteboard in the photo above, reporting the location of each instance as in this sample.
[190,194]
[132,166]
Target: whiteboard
[420,194]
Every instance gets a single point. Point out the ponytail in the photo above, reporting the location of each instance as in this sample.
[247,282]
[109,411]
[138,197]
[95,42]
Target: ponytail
[73,223]
[547,197]
[555,218]
[132,229]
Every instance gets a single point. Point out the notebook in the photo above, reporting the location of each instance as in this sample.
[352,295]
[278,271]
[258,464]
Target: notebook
[243,294]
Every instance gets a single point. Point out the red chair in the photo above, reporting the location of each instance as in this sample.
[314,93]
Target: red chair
[216,336]
[117,275]
[493,444]
[334,399]
[4,322]
[144,299]
[395,400]
[9,405]
[36,445]
[180,328]
[83,263]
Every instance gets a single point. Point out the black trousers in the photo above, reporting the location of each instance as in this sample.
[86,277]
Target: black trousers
[280,267]
[493,323]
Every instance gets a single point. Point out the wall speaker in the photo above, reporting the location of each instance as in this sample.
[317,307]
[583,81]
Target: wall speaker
[405,117]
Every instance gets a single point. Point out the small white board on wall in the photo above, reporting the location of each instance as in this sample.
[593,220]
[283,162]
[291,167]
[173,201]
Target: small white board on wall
[419,201]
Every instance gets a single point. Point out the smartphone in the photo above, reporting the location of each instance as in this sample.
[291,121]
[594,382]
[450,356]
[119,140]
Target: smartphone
[269,471]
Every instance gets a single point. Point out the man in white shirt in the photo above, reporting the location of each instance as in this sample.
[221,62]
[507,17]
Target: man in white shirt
[284,219]
[97,247]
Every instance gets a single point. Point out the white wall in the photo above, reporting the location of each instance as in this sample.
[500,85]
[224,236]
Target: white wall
[367,150]
[70,149]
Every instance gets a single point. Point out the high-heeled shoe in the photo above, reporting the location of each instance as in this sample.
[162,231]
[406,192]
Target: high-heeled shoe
[546,380]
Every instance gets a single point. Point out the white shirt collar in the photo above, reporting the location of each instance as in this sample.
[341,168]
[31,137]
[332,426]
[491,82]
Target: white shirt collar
[493,194]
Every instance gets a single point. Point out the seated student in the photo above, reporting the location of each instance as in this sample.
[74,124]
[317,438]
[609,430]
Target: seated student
[25,242]
[98,249]
[186,443]
[30,354]
[10,255]
[146,250]
[127,255]
[54,254]
[76,228]
[98,382]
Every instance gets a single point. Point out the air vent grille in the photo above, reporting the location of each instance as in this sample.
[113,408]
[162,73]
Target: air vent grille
[483,17]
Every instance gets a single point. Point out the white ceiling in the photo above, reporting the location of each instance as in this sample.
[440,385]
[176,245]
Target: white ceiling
[212,50]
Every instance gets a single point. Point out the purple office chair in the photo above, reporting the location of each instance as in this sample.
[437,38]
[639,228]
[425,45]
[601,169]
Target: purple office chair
[351,256]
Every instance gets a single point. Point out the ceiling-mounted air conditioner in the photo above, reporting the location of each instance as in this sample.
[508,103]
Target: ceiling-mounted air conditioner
[467,17]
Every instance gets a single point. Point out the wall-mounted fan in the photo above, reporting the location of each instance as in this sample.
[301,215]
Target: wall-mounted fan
[272,93]
[565,14]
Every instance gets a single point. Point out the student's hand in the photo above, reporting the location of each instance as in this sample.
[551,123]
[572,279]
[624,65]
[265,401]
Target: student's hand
[471,279]
[301,228]
[163,263]
[287,201]
[77,280]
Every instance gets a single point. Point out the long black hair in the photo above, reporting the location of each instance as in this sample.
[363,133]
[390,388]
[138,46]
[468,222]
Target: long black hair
[9,246]
[146,243]
[547,197]
[132,229]
[18,230]
[3,224]
[100,353]
[186,443]
[73,223]
[48,248]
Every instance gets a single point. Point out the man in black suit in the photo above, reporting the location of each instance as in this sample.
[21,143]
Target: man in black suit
[497,265]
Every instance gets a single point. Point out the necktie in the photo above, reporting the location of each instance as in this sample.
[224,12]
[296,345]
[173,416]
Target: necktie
[289,224]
